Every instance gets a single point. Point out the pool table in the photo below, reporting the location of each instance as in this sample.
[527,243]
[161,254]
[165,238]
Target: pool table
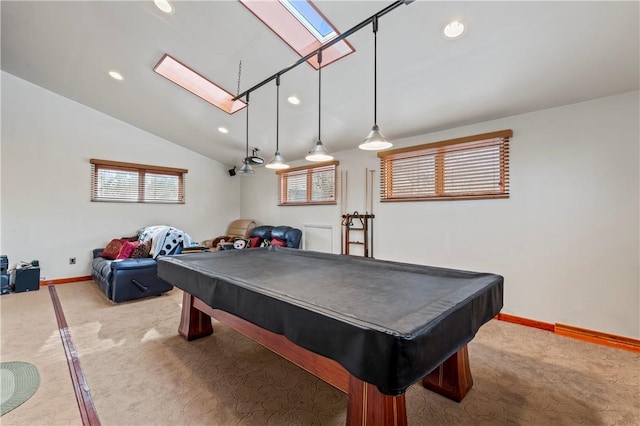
[371,328]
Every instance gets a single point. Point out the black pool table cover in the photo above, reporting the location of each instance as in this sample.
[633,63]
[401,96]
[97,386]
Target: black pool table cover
[387,323]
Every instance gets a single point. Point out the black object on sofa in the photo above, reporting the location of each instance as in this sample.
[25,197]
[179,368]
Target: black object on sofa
[128,279]
[291,236]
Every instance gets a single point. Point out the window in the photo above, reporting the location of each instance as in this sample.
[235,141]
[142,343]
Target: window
[308,16]
[308,185]
[474,167]
[302,27]
[136,183]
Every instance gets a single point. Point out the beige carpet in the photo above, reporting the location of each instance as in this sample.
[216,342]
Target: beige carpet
[141,372]
[29,333]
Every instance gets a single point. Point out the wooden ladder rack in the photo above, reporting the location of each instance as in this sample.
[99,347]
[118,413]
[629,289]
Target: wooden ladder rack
[362,224]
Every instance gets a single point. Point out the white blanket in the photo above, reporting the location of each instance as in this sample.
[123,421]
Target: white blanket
[164,239]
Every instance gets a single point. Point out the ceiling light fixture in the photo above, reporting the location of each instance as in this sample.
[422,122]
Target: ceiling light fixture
[246,168]
[190,80]
[277,162]
[164,5]
[453,29]
[375,141]
[254,158]
[326,47]
[116,75]
[293,100]
[223,130]
[319,152]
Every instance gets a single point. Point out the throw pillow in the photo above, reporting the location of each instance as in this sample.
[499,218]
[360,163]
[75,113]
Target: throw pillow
[265,243]
[142,250]
[278,242]
[240,243]
[112,249]
[127,249]
[254,242]
[220,239]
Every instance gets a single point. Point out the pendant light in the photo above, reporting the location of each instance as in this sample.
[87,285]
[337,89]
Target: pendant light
[246,168]
[375,141]
[277,162]
[319,152]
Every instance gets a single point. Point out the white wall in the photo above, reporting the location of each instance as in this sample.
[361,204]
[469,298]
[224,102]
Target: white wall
[46,212]
[567,241]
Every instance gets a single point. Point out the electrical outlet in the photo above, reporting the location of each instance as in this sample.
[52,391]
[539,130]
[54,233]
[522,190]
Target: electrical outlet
[72,261]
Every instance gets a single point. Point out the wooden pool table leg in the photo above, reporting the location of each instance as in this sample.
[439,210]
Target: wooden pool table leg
[193,322]
[368,406]
[452,378]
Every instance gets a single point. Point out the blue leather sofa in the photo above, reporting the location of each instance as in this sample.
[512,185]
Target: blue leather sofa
[291,236]
[128,279]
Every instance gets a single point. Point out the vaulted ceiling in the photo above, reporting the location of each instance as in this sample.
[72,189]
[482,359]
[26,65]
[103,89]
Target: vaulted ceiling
[514,57]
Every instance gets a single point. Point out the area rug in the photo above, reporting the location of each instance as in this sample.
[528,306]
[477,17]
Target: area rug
[20,380]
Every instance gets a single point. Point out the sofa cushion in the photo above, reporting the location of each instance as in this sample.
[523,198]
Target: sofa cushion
[291,236]
[133,264]
[263,231]
[112,249]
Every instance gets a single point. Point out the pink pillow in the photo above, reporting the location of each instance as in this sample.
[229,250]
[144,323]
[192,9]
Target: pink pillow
[278,242]
[127,249]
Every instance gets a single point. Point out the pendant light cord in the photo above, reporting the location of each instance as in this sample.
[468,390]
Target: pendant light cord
[246,152]
[319,90]
[375,70]
[277,112]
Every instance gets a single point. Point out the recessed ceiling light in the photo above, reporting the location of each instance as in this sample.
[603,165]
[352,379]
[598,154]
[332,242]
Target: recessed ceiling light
[116,75]
[163,5]
[223,130]
[453,29]
[293,100]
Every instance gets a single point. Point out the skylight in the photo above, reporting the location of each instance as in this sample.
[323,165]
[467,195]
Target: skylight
[302,26]
[187,78]
[310,18]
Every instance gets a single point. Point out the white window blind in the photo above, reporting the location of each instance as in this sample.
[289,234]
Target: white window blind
[308,185]
[473,167]
[136,183]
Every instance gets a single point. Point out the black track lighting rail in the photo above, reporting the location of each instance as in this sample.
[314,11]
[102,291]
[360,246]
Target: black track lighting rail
[342,36]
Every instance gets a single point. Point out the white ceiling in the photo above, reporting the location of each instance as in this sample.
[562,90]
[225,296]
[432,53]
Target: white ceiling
[514,57]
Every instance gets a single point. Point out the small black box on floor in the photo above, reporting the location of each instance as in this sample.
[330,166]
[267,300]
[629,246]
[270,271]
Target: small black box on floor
[4,284]
[4,274]
[25,279]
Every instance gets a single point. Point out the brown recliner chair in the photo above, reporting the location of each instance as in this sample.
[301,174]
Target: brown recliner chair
[239,228]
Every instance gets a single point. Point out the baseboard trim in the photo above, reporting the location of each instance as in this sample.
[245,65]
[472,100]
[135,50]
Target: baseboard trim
[66,280]
[597,337]
[600,338]
[526,322]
